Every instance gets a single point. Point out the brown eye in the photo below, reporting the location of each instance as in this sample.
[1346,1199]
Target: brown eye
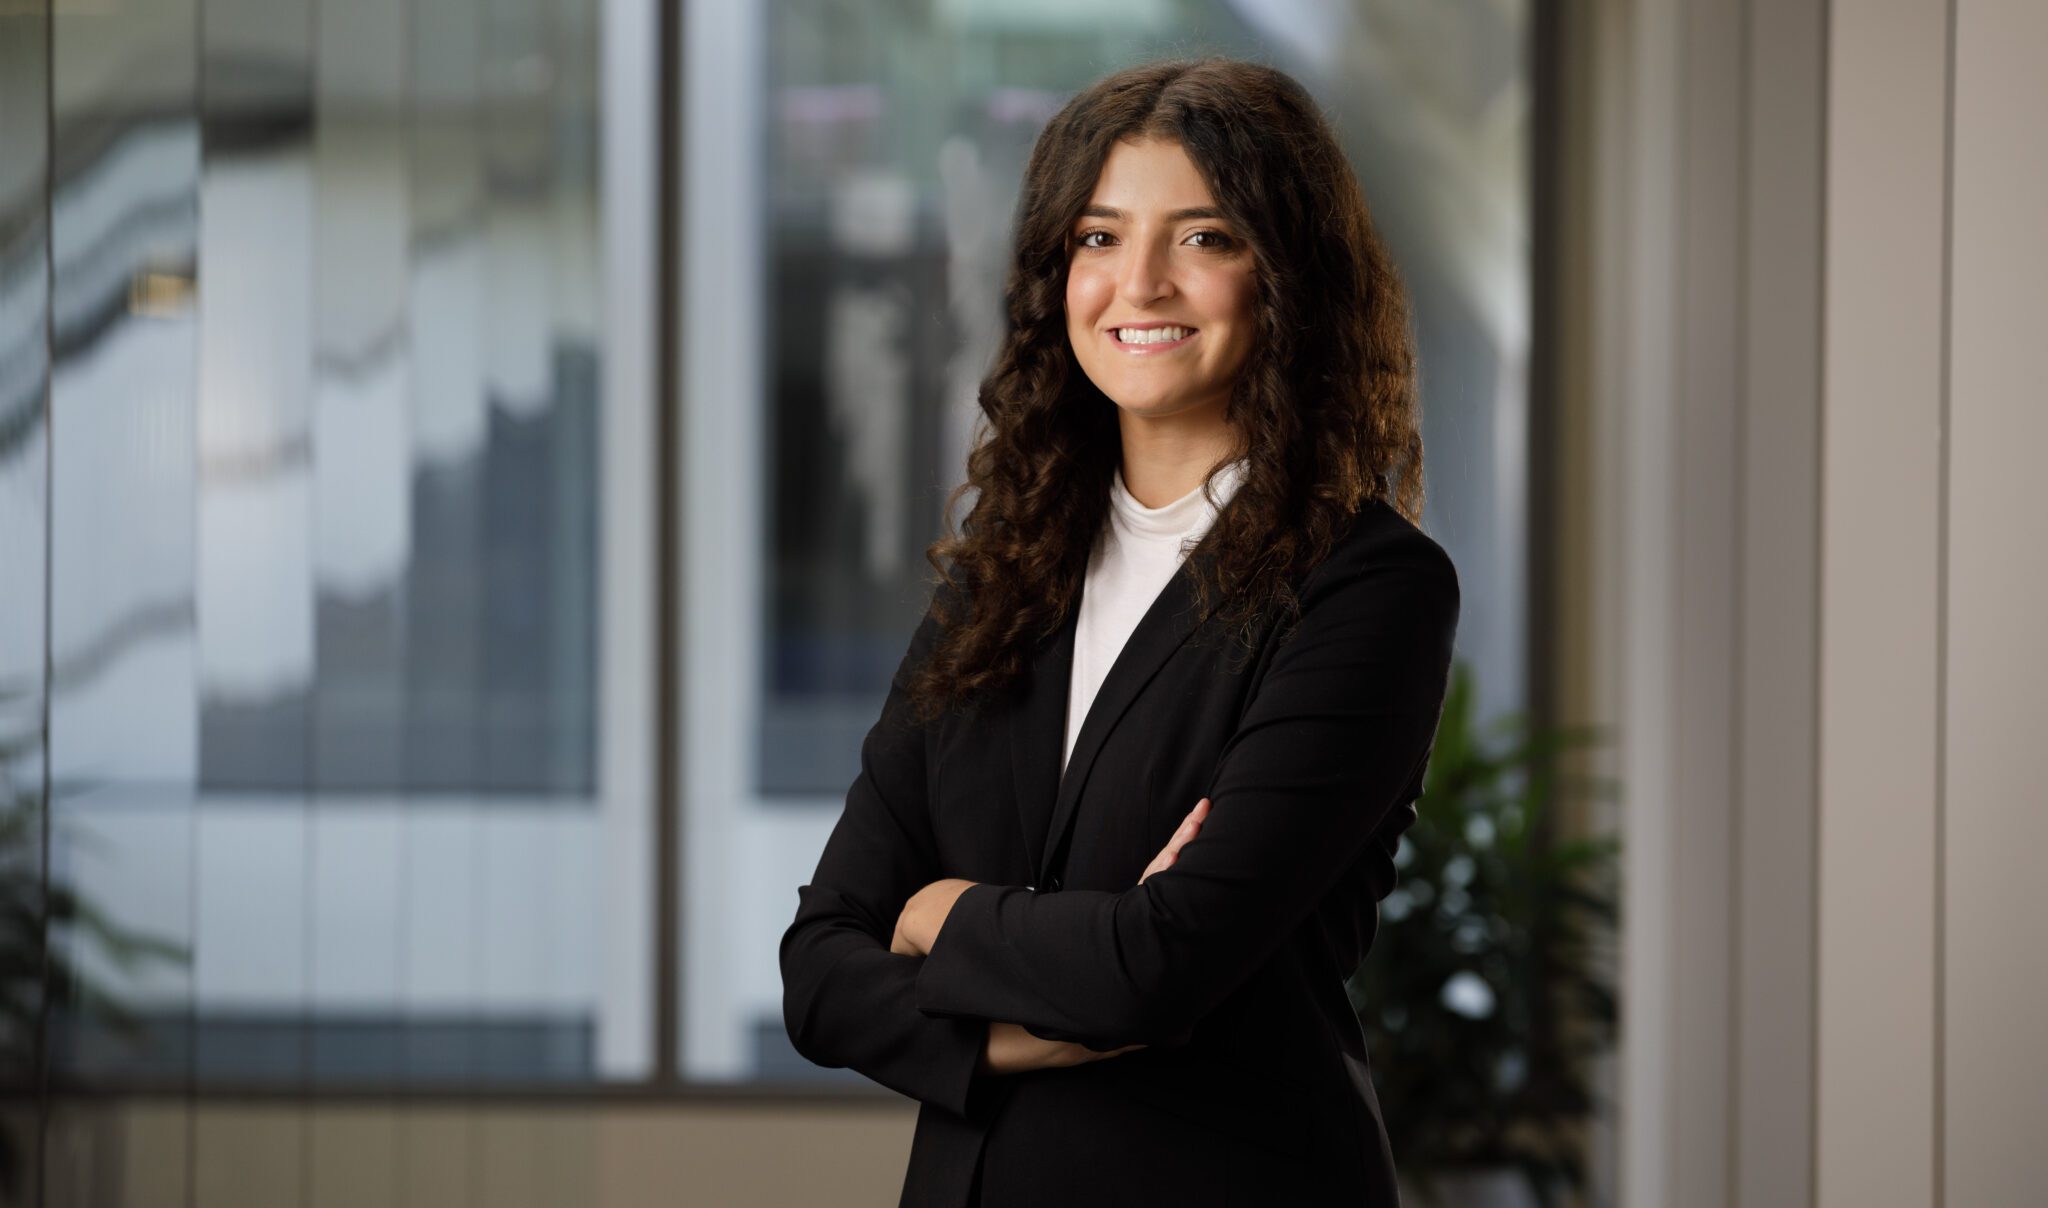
[1085,236]
[1222,240]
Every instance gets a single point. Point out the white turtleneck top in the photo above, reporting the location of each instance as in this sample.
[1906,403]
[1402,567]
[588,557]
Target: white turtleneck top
[1137,552]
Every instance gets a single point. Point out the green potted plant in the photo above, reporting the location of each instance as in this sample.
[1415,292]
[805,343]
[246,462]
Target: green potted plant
[37,978]
[1484,993]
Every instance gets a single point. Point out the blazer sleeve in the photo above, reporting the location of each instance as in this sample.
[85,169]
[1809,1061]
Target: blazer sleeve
[847,1001]
[1333,736]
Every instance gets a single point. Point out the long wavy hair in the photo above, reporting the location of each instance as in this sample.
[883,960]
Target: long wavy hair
[1325,407]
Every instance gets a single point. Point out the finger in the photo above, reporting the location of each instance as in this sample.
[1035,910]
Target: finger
[1189,827]
[1160,863]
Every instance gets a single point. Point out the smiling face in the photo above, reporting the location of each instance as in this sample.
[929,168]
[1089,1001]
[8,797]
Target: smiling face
[1160,286]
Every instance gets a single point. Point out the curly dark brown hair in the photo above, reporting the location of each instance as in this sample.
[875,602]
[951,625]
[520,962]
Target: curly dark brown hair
[1325,407]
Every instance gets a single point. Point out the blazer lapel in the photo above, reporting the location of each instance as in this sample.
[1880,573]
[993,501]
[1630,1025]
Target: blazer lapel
[1037,727]
[1046,796]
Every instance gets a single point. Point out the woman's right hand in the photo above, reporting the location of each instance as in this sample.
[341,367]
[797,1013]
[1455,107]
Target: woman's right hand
[1190,826]
[1012,1049]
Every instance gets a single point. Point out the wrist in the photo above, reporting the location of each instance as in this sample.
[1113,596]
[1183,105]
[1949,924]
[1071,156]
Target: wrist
[924,916]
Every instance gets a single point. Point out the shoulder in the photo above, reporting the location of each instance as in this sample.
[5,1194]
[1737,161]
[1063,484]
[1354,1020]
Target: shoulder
[1383,549]
[1382,608]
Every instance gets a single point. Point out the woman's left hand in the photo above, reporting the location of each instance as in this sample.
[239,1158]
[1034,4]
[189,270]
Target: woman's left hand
[917,925]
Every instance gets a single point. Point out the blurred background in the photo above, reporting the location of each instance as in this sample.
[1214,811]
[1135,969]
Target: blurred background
[465,467]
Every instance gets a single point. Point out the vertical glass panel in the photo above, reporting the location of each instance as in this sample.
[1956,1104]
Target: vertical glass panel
[537,561]
[612,120]
[24,513]
[255,514]
[361,548]
[333,577]
[859,314]
[445,590]
[419,846]
[124,693]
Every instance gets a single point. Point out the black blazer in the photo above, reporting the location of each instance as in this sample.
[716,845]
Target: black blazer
[1230,965]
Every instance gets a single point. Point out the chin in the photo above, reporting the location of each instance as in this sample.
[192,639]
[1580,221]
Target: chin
[1142,406]
[1150,405]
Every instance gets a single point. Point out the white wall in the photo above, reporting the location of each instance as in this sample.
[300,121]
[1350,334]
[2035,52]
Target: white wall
[1689,406]
[1808,289]
[1933,1078]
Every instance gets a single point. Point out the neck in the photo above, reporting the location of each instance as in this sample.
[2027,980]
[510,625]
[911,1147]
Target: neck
[1165,457]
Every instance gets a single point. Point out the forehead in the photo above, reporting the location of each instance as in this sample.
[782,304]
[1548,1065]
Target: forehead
[1149,175]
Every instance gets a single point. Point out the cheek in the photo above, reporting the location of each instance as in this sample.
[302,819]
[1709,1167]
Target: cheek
[1237,297]
[1086,295]
[1234,301]
[1086,300]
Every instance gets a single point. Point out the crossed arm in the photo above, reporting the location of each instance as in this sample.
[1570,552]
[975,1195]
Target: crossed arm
[1012,1048]
[917,925]
[1339,727]
[848,988]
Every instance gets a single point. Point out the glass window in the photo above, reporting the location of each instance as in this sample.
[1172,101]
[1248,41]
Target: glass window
[349,476]
[351,549]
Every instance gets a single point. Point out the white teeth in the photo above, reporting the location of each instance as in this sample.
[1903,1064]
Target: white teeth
[1152,335]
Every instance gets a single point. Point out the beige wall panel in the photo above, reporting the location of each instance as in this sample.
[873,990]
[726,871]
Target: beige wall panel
[1772,1112]
[1641,413]
[114,1154]
[1995,806]
[439,1152]
[156,1152]
[1879,597]
[247,1154]
[1703,688]
[513,1152]
[623,1155]
[351,1156]
[755,1156]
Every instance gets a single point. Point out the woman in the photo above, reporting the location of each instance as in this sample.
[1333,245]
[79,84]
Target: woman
[1099,994]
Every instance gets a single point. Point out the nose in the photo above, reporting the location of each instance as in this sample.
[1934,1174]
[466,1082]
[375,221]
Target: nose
[1146,276]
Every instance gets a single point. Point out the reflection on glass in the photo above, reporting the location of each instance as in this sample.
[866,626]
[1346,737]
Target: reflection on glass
[254,512]
[330,417]
[122,641]
[895,142]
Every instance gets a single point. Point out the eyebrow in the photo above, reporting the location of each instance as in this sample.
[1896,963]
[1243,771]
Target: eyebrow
[1175,216]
